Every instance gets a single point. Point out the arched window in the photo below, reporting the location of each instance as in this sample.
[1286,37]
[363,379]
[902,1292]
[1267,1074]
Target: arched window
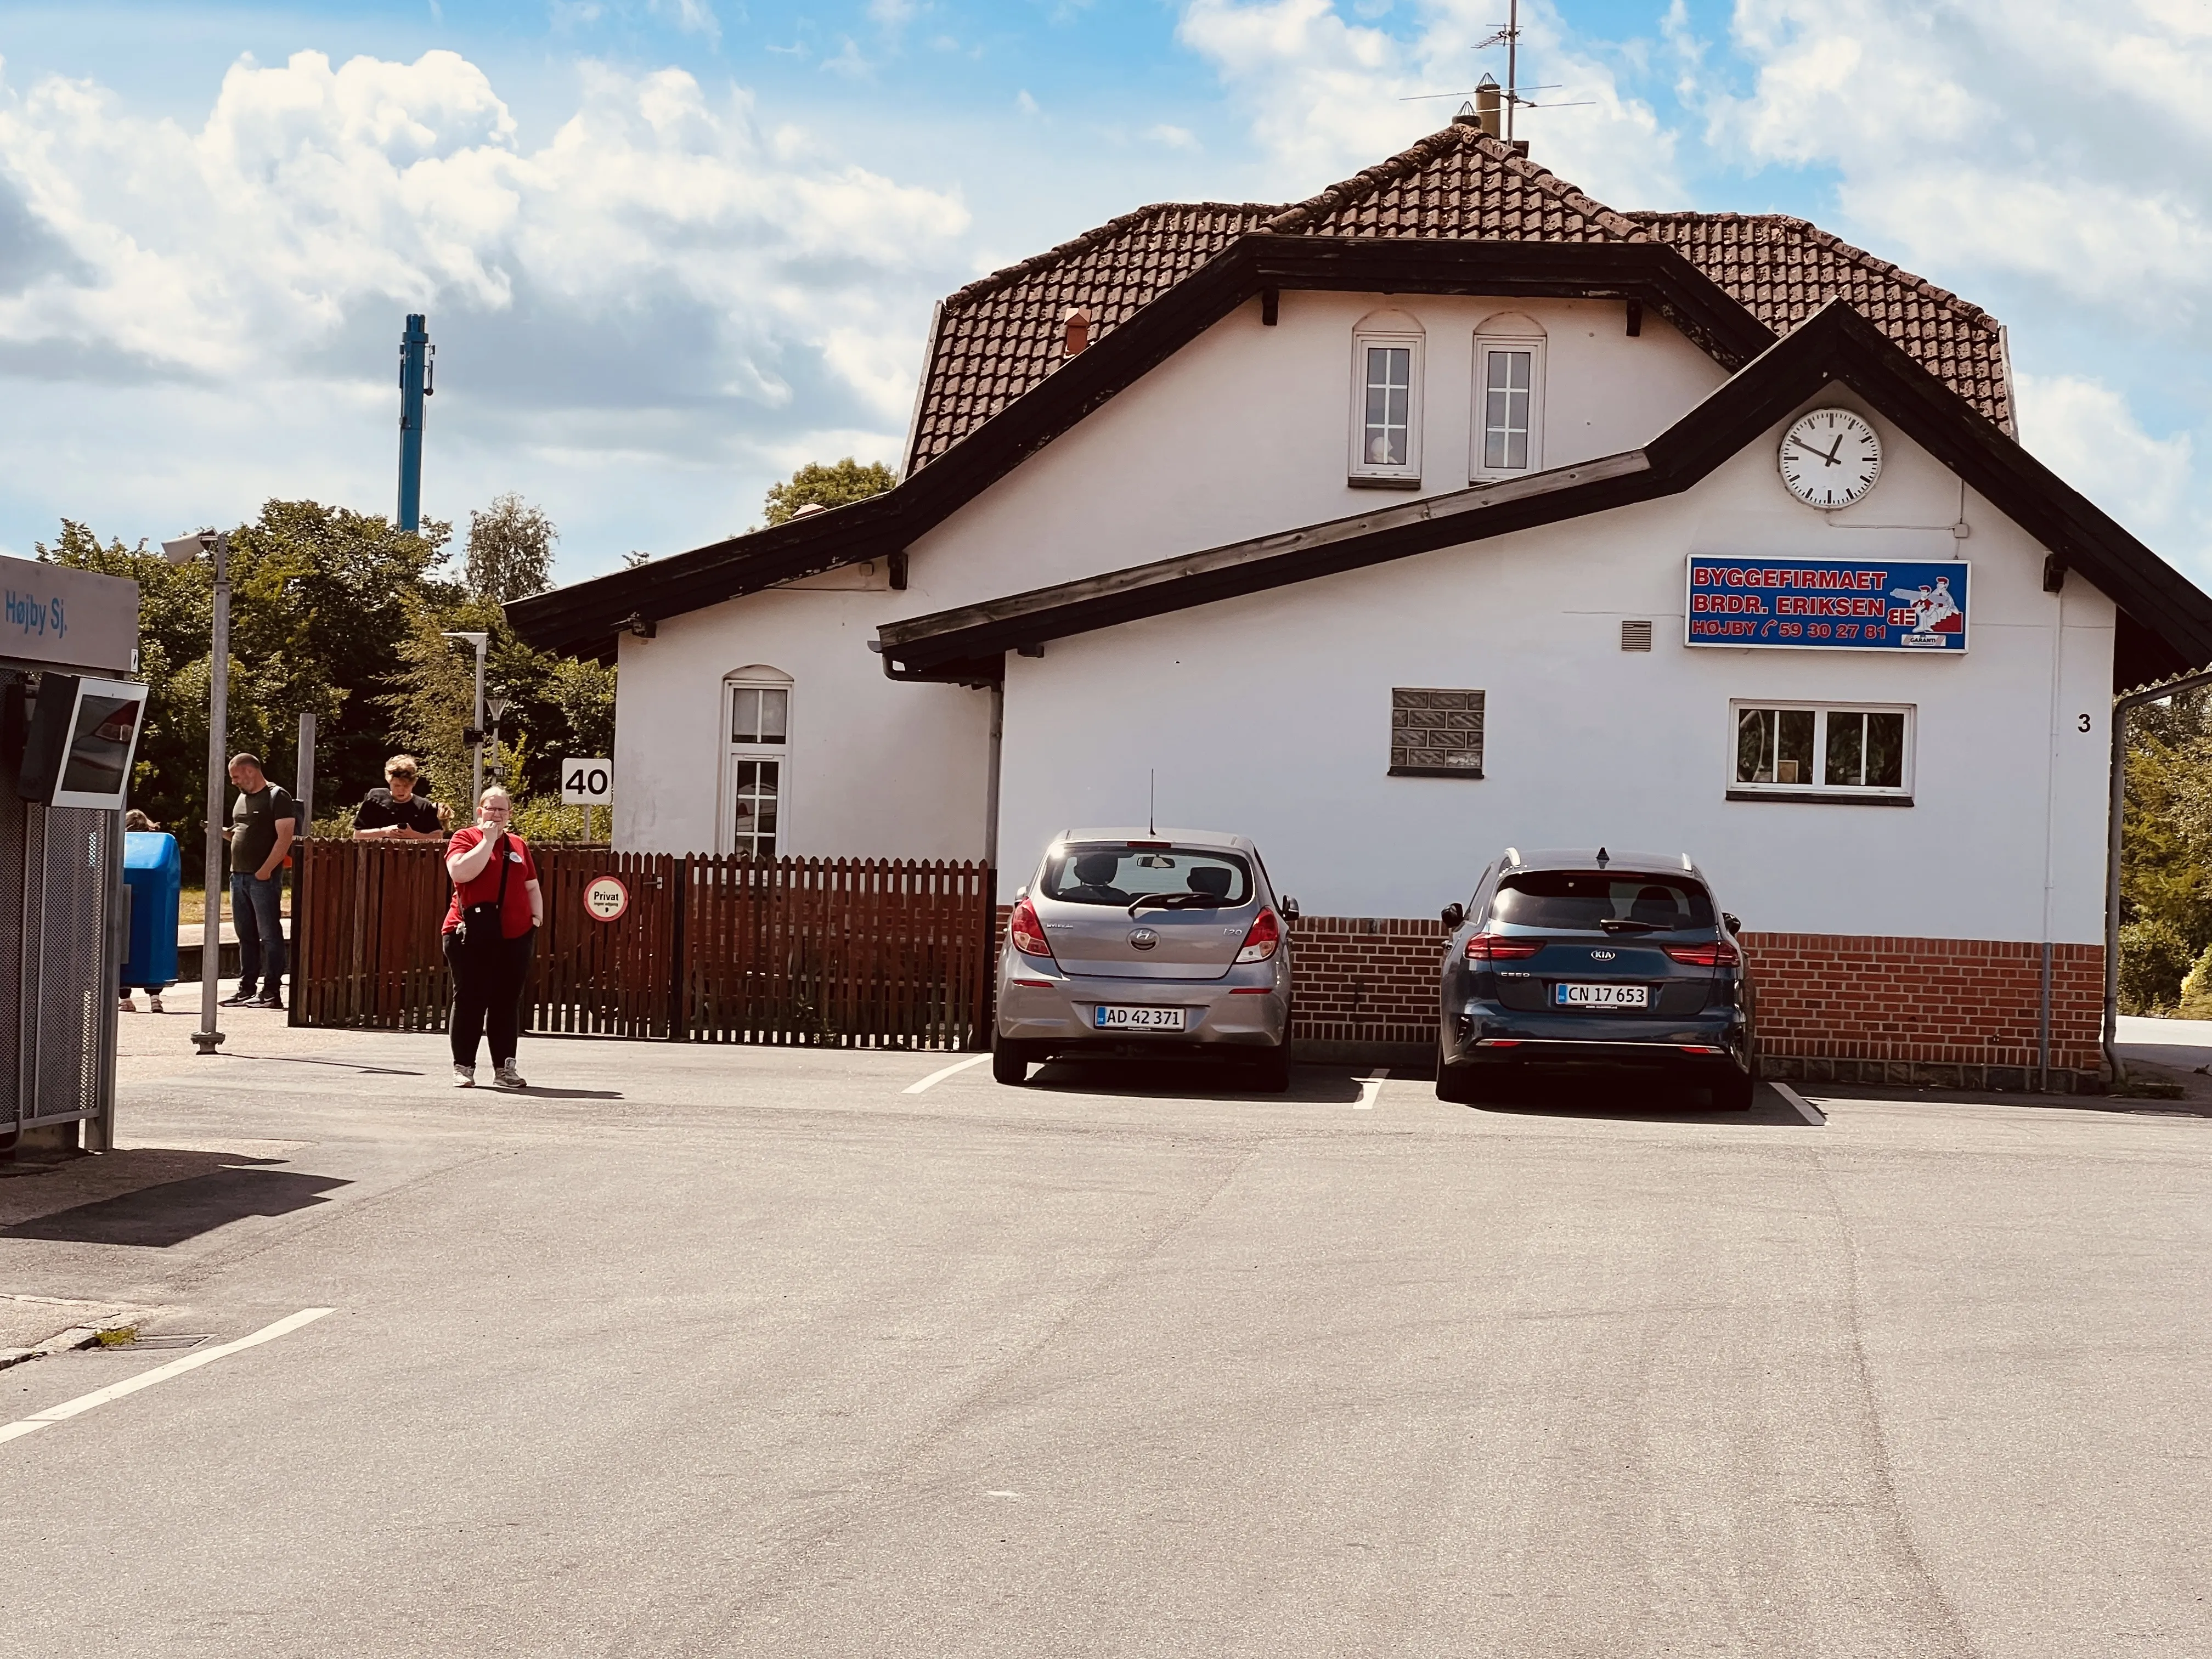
[1385,401]
[756,766]
[1509,398]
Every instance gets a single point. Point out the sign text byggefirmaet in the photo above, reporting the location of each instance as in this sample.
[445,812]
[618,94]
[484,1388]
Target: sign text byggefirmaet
[1836,605]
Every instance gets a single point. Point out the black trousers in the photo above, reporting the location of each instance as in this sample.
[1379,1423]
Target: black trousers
[488,976]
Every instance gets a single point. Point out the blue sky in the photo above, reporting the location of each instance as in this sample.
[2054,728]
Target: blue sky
[670,248]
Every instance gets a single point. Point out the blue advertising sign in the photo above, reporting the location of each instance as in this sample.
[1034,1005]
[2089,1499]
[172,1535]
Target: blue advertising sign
[1835,604]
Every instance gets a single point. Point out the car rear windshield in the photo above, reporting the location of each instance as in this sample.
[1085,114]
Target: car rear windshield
[1587,899]
[1189,878]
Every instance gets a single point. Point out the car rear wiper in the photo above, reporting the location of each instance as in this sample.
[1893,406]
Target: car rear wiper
[1178,902]
[1628,924]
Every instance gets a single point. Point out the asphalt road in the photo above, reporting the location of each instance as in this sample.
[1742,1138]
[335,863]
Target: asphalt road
[716,1351]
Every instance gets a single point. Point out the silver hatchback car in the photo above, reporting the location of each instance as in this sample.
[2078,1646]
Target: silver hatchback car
[1169,942]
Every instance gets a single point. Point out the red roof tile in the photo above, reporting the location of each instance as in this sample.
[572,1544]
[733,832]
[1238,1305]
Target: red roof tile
[1000,337]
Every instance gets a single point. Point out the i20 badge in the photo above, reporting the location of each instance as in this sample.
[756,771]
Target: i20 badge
[1144,939]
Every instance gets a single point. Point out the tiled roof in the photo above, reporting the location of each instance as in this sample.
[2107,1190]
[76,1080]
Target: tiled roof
[1000,337]
[1783,269]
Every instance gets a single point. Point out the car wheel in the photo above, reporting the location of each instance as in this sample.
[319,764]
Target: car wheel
[1010,1060]
[1455,1083]
[1271,1074]
[1734,1092]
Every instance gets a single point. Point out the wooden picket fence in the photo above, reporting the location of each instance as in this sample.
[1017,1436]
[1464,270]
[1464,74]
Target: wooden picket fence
[833,952]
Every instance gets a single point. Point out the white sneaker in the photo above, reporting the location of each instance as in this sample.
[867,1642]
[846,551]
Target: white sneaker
[508,1078]
[464,1076]
[154,1003]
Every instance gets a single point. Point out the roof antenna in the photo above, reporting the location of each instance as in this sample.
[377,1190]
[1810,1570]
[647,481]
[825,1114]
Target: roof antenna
[1508,35]
[1152,804]
[1604,858]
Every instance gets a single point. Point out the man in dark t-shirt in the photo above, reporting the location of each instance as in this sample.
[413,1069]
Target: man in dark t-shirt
[396,812]
[262,826]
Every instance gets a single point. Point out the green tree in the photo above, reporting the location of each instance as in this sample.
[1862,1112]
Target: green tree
[510,549]
[835,485]
[317,610]
[2166,850]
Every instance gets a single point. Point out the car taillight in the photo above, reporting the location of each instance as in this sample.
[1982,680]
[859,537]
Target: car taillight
[1718,954]
[1261,940]
[1496,947]
[1028,936]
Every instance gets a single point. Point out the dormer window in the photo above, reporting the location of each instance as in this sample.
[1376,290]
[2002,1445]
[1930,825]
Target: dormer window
[1385,402]
[1509,398]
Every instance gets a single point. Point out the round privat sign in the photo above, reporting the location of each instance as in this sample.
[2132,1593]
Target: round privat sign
[606,898]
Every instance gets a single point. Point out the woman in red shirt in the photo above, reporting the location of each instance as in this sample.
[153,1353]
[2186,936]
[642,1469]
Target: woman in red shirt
[490,928]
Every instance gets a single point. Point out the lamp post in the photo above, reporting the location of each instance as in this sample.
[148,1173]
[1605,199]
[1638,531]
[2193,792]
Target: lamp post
[496,706]
[474,735]
[183,550]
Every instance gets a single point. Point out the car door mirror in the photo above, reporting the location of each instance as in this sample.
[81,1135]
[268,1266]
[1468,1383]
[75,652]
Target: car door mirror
[1290,909]
[1454,915]
[1734,924]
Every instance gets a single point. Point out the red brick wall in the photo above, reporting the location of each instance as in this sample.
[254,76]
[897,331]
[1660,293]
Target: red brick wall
[1931,1001]
[1365,979]
[1832,1007]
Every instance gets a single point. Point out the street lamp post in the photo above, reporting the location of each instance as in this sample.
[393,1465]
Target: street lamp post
[183,550]
[475,735]
[496,706]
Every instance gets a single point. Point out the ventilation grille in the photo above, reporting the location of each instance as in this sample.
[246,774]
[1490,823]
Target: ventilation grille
[1636,637]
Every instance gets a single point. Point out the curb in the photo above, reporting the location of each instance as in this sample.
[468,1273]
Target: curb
[77,1337]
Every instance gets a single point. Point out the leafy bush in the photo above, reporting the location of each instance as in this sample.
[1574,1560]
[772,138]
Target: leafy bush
[2154,957]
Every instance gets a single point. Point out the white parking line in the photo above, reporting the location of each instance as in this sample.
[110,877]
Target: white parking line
[1806,1109]
[192,1362]
[938,1077]
[1370,1086]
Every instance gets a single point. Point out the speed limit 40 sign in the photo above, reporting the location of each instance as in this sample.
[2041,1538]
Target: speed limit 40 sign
[587,782]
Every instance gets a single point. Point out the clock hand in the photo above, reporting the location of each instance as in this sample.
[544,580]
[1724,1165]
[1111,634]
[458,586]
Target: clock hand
[1830,458]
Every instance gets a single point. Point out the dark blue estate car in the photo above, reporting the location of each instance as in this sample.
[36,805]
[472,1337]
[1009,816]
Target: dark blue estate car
[1595,959]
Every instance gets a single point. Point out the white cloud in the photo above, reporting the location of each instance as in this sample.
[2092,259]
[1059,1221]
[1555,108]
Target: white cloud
[692,16]
[663,277]
[2066,146]
[1173,138]
[2085,432]
[1327,96]
[1023,103]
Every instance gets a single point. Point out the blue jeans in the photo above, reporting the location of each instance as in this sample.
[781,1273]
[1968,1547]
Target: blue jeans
[257,911]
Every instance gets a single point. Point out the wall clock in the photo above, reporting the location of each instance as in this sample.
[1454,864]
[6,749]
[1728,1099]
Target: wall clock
[1830,458]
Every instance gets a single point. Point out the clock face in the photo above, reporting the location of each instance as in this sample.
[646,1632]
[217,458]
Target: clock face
[1830,458]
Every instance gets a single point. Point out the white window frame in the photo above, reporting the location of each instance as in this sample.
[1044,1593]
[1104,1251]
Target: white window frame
[1376,474]
[1817,786]
[759,678]
[1478,471]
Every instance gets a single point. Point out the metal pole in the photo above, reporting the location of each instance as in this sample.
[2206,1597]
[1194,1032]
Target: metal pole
[414,351]
[476,793]
[207,1037]
[1512,65]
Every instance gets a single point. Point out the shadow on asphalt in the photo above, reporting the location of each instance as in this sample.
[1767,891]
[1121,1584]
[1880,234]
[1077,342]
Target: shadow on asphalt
[1184,1079]
[157,1218]
[1636,1101]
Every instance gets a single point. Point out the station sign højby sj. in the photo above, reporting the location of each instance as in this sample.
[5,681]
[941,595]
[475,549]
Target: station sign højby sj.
[1846,604]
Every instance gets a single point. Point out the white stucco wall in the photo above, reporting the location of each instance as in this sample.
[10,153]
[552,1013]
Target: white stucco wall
[1245,431]
[876,769]
[1270,716]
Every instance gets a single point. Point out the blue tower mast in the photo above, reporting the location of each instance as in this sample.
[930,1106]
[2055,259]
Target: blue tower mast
[417,375]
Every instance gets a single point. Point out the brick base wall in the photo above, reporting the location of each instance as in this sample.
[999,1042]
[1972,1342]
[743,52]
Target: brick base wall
[1951,1011]
[1832,1008]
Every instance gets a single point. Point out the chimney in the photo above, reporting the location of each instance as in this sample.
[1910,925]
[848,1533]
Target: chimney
[1489,108]
[1077,323]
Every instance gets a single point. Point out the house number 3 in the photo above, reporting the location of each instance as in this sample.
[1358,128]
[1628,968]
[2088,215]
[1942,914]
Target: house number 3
[2085,722]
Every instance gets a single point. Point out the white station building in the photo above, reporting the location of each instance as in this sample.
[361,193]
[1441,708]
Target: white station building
[1446,511]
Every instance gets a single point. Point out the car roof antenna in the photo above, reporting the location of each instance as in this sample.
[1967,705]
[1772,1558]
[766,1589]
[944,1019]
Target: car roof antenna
[1602,858]
[1152,803]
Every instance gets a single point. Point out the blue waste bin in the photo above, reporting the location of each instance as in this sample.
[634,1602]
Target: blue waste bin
[156,875]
